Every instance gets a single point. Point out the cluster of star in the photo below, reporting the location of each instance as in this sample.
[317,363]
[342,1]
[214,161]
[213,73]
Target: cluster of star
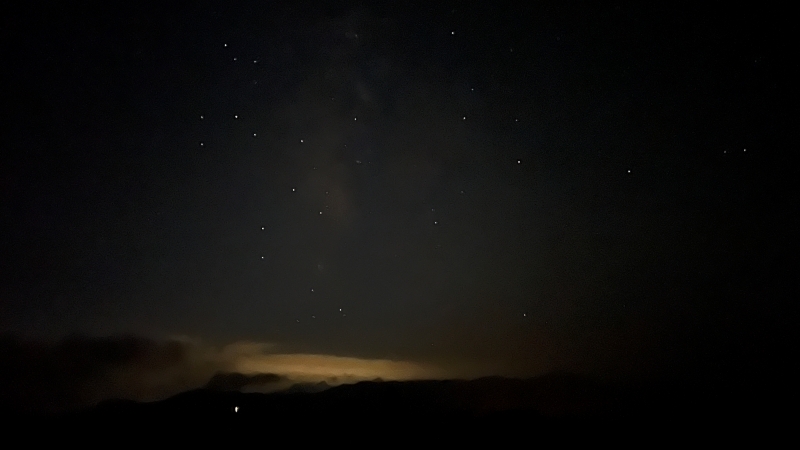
[320,212]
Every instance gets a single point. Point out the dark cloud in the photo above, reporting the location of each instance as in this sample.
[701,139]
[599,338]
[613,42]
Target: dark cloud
[238,381]
[80,371]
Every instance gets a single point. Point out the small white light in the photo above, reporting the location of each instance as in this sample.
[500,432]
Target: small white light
[236,409]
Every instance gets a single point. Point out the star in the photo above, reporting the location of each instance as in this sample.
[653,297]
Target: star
[201,117]
[235,116]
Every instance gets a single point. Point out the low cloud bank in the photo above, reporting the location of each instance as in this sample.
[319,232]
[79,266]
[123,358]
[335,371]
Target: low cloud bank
[78,372]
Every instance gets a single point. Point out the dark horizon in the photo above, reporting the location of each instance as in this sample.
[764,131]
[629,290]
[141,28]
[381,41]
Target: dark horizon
[348,191]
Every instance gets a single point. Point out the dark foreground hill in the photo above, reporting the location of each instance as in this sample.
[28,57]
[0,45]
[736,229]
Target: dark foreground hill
[553,406]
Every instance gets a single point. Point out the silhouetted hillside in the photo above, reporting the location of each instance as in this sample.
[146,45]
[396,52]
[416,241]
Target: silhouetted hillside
[551,408]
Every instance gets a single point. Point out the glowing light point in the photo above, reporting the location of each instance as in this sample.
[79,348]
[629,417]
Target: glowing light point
[236,409]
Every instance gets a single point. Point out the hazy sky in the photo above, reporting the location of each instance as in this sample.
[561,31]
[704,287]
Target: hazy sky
[473,189]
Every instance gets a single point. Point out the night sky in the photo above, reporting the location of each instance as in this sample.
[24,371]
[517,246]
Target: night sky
[417,190]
